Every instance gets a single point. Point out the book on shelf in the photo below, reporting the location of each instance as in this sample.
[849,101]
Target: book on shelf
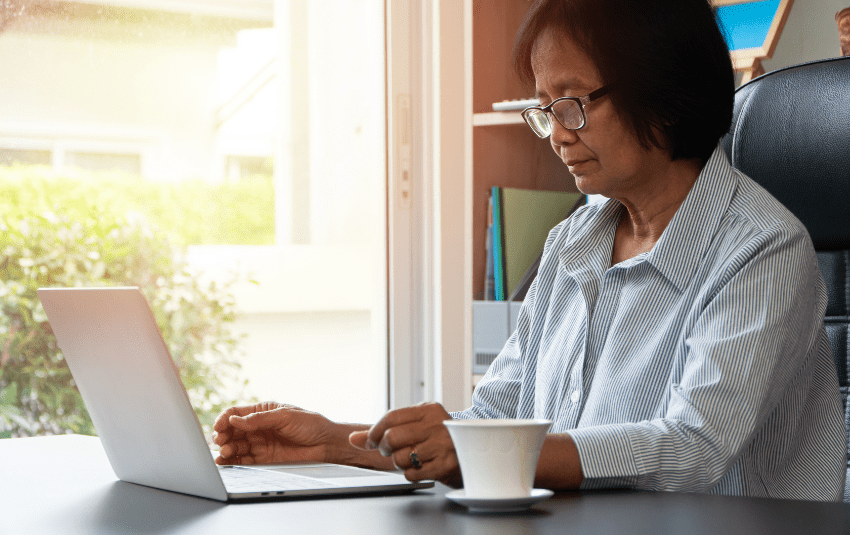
[521,221]
[489,278]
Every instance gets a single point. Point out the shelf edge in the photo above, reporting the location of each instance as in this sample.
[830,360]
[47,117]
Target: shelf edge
[497,118]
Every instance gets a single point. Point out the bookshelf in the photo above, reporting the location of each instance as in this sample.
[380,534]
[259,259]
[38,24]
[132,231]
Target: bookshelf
[505,152]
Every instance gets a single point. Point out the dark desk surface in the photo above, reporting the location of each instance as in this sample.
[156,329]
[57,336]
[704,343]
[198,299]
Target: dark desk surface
[65,485]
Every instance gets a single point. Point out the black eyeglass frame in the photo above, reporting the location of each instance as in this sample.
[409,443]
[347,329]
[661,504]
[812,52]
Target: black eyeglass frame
[581,101]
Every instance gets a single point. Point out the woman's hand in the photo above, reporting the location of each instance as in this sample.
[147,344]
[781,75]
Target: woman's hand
[418,429]
[276,433]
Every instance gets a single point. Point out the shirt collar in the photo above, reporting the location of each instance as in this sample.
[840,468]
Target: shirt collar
[683,243]
[592,237]
[685,240]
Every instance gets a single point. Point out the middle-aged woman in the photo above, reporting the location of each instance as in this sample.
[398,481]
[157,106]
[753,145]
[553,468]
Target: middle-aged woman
[674,333]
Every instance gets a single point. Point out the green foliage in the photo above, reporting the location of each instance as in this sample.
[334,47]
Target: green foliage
[62,232]
[198,213]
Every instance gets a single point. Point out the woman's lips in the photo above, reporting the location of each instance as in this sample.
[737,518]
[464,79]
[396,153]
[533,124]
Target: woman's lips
[576,165]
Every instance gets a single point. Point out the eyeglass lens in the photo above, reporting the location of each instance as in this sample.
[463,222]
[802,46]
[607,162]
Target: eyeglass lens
[538,120]
[568,113]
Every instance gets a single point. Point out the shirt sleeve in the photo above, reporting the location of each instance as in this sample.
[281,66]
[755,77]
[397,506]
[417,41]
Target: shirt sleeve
[497,394]
[753,346]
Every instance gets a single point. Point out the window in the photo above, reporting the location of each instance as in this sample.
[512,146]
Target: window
[99,161]
[238,106]
[246,167]
[24,156]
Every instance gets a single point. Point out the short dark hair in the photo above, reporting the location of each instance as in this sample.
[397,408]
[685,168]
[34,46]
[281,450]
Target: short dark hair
[668,58]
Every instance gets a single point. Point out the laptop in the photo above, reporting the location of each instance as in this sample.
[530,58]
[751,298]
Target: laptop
[140,409]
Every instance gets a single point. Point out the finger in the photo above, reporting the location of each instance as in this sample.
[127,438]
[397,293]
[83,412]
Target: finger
[389,442]
[426,452]
[221,437]
[408,435]
[242,448]
[231,450]
[442,468]
[228,460]
[427,472]
[229,436]
[403,458]
[358,439]
[390,420]
[222,423]
[246,459]
[260,420]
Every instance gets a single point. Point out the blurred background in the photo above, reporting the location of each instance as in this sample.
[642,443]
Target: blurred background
[227,157]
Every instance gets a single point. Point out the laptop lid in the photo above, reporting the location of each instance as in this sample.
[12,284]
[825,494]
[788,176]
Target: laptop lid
[137,403]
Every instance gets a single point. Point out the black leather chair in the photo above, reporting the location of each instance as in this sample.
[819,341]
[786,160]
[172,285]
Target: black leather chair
[791,134]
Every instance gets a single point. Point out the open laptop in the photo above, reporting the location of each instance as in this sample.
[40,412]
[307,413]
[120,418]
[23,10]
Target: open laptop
[142,413]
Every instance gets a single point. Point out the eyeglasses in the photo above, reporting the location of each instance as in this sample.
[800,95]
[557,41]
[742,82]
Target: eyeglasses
[568,111]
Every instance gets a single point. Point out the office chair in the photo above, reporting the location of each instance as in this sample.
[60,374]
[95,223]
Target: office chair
[791,134]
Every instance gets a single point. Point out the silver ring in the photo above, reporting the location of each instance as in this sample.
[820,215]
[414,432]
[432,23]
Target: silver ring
[414,460]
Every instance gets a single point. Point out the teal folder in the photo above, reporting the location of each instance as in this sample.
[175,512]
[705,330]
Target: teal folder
[498,245]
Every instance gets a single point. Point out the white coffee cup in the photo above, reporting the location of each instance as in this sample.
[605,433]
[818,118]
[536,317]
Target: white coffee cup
[498,457]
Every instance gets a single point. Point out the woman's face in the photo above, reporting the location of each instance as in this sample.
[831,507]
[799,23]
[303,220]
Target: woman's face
[604,156]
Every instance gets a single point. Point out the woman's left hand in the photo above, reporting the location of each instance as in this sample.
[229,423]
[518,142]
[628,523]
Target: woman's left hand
[415,435]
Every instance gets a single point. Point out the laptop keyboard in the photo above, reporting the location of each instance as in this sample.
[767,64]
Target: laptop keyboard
[239,479]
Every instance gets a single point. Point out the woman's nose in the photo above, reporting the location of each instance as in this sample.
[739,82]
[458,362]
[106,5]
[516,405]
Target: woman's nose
[561,136]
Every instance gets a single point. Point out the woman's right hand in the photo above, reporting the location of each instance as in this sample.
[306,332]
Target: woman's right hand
[276,433]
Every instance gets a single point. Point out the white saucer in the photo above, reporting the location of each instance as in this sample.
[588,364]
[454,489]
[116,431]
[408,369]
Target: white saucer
[499,505]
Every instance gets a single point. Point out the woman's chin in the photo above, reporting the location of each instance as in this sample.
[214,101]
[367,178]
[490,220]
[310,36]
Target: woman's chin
[588,186]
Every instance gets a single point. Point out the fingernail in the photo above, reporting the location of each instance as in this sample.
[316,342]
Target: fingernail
[370,444]
[385,450]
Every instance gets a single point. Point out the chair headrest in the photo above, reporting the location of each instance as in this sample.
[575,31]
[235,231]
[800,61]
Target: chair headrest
[791,134]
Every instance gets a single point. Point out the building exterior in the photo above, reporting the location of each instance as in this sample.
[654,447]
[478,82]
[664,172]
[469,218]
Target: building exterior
[136,86]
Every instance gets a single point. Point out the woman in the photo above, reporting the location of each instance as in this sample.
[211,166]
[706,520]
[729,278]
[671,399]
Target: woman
[674,333]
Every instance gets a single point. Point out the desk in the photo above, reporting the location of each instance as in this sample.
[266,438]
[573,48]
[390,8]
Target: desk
[64,484]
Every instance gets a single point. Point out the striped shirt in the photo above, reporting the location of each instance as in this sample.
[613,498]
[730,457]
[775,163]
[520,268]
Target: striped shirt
[702,365]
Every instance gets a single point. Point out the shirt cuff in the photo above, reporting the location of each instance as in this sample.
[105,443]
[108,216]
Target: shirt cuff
[607,454]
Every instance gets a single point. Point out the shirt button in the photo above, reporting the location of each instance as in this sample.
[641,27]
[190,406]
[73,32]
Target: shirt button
[575,396]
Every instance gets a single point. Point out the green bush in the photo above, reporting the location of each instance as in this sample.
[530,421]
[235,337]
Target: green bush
[62,232]
[195,212]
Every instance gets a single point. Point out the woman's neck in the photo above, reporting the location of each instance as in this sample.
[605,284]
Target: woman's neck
[649,210]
